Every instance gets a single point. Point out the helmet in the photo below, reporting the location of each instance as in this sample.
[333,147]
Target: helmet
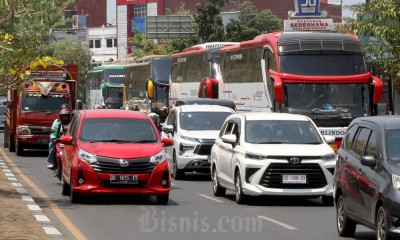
[64,105]
[154,117]
[65,112]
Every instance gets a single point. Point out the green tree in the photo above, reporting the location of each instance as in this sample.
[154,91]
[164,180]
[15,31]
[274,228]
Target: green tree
[209,22]
[24,27]
[252,23]
[380,19]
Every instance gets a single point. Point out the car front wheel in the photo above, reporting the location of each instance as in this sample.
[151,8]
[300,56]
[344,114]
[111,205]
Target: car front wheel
[177,173]
[345,226]
[240,197]
[382,224]
[217,189]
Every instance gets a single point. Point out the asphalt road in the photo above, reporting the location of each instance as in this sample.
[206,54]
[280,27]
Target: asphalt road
[192,213]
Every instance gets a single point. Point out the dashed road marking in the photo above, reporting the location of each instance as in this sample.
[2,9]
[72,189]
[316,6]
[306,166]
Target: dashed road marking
[33,207]
[278,222]
[211,198]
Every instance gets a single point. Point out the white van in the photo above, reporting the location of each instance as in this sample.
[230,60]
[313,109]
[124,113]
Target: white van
[194,129]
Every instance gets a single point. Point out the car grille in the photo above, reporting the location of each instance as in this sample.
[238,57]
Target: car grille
[38,130]
[140,184]
[272,177]
[205,147]
[112,165]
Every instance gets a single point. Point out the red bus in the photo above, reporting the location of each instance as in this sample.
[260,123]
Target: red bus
[320,75]
[193,65]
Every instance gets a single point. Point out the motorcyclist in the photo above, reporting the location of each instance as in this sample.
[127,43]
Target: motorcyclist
[58,128]
[154,117]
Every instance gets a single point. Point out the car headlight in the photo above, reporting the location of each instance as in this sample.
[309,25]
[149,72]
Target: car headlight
[189,139]
[158,158]
[87,157]
[396,181]
[255,156]
[24,130]
[328,157]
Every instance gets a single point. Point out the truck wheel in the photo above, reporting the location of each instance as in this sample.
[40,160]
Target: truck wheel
[19,149]
[6,135]
[11,143]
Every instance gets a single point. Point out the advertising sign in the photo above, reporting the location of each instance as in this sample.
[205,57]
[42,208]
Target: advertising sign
[307,8]
[308,25]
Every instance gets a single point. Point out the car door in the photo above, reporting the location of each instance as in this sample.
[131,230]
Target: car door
[171,120]
[222,154]
[354,198]
[232,150]
[70,151]
[368,186]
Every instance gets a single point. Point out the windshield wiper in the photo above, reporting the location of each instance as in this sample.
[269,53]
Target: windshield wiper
[313,143]
[114,140]
[270,142]
[144,141]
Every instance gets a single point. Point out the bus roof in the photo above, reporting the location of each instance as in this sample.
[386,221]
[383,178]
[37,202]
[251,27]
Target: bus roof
[203,48]
[102,67]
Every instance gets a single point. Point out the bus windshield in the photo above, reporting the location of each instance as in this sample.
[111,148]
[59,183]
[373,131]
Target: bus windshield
[323,64]
[327,104]
[114,76]
[161,70]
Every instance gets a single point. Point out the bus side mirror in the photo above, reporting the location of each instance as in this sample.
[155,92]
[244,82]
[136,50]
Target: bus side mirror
[79,104]
[9,104]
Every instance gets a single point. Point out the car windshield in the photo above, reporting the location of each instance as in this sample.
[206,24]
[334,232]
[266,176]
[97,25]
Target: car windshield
[38,102]
[118,130]
[202,120]
[392,145]
[278,131]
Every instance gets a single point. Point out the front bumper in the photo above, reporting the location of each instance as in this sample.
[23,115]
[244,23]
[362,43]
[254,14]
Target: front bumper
[34,141]
[265,178]
[392,204]
[99,182]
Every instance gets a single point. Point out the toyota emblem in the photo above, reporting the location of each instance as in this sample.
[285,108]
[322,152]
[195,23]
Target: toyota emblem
[123,163]
[294,160]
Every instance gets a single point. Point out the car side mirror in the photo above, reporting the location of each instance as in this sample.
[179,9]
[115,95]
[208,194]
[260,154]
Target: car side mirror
[168,128]
[329,138]
[229,138]
[67,140]
[368,161]
[166,142]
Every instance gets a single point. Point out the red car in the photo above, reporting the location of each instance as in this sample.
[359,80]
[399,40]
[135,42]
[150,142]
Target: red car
[108,151]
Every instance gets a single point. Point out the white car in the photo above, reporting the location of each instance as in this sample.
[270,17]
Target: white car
[278,154]
[194,129]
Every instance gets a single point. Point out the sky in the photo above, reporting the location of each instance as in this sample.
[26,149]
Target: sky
[346,12]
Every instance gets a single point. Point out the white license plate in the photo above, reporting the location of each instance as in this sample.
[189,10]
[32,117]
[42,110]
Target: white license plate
[294,179]
[123,179]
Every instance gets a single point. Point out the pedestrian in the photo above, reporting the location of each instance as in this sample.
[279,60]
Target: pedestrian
[58,128]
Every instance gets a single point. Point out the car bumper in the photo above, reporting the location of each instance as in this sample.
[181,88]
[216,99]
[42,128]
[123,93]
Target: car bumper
[254,181]
[99,183]
[194,163]
[392,204]
[38,140]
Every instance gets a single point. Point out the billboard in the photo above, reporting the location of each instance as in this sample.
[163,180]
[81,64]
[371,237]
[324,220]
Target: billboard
[168,26]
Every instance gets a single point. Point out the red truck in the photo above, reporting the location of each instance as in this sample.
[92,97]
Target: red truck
[31,112]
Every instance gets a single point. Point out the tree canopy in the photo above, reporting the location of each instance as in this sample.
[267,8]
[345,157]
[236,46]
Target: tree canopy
[378,21]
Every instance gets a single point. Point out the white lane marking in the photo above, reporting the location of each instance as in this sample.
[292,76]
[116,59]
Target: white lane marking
[9,174]
[34,207]
[6,170]
[21,190]
[15,184]
[51,231]
[277,222]
[27,199]
[211,198]
[42,218]
[12,179]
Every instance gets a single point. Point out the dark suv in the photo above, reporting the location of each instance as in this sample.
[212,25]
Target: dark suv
[367,177]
